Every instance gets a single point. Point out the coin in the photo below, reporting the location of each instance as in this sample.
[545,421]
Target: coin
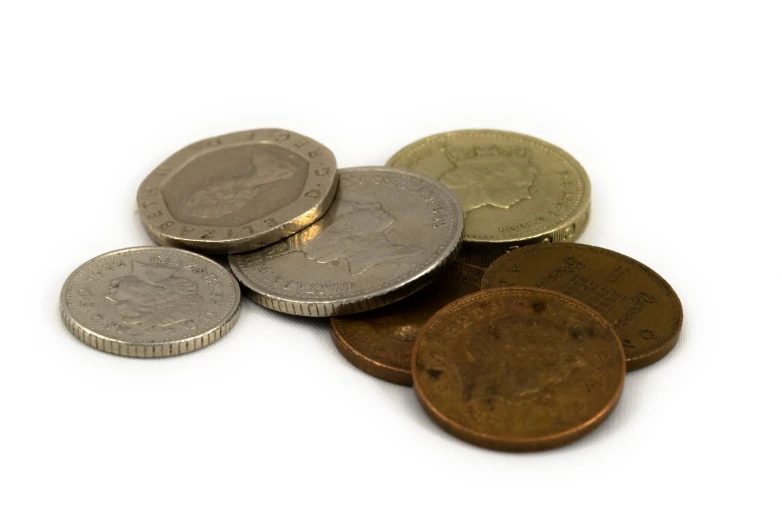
[380,342]
[150,302]
[515,189]
[238,192]
[518,369]
[640,305]
[388,233]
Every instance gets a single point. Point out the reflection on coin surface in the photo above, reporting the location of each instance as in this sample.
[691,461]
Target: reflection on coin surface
[238,192]
[149,302]
[515,189]
[388,233]
[641,306]
[380,342]
[518,369]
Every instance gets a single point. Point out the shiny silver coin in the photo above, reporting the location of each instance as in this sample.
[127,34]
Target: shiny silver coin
[238,192]
[388,233]
[150,302]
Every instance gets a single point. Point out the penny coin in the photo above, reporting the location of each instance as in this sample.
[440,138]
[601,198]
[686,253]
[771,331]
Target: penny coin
[640,305]
[238,192]
[388,233]
[150,302]
[518,369]
[515,189]
[380,342]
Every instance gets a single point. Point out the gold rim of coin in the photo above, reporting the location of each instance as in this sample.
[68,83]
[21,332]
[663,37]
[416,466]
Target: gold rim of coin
[518,369]
[515,189]
[238,192]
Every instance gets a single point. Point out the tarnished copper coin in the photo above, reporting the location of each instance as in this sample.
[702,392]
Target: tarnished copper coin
[380,342]
[640,305]
[518,369]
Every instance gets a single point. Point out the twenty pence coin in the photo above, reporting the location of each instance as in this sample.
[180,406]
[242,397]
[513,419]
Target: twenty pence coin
[388,234]
[518,369]
[515,189]
[380,342]
[639,304]
[238,192]
[150,302]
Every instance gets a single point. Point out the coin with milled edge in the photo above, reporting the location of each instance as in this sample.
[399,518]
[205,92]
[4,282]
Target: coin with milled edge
[641,306]
[515,189]
[150,302]
[388,233]
[518,369]
[238,192]
[380,342]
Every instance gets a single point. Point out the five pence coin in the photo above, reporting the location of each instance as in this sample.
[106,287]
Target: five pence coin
[518,369]
[238,192]
[389,233]
[149,302]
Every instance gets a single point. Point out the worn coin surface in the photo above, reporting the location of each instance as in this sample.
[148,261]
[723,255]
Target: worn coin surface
[641,306]
[515,189]
[518,369]
[380,342]
[388,233]
[149,302]
[238,192]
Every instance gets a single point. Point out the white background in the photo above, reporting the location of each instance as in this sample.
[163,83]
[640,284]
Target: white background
[672,107]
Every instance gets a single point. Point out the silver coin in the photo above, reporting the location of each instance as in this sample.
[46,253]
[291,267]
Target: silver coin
[150,302]
[388,233]
[238,192]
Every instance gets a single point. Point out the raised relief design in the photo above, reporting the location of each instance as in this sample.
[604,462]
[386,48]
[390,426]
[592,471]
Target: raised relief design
[243,171]
[501,363]
[355,234]
[152,295]
[490,176]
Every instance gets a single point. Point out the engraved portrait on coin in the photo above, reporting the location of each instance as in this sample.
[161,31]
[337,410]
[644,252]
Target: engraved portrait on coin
[150,302]
[515,189]
[387,234]
[239,191]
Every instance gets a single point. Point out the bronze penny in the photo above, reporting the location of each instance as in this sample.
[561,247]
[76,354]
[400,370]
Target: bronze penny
[518,369]
[380,342]
[640,305]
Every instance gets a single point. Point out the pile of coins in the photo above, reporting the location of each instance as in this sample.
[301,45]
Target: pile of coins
[527,354]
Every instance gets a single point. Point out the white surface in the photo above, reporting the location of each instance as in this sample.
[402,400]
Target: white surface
[673,108]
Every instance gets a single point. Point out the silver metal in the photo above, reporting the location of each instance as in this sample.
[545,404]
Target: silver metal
[388,233]
[150,302]
[238,192]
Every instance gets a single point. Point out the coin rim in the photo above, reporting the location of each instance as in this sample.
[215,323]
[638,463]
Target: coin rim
[633,363]
[364,363]
[266,235]
[150,349]
[383,295]
[492,442]
[578,218]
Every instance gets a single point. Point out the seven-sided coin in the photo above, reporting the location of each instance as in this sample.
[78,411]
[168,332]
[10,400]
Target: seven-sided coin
[238,192]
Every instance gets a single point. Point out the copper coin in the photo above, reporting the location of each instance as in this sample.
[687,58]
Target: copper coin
[640,305]
[380,342]
[518,369]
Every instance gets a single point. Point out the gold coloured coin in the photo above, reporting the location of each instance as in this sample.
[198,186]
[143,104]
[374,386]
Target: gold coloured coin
[515,189]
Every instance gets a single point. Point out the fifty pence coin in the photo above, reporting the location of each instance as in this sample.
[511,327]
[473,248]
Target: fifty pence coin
[515,189]
[238,192]
[639,304]
[388,233]
[380,342]
[150,302]
[518,369]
